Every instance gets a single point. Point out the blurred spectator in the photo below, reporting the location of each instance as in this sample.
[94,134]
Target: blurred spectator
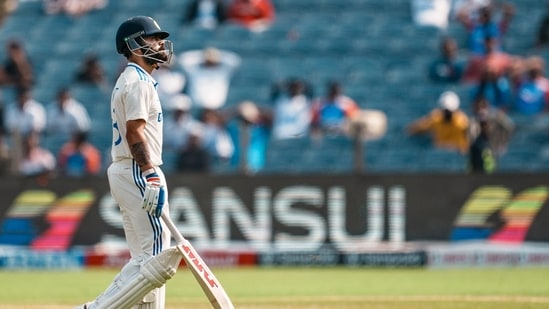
[493,60]
[542,37]
[516,73]
[193,157]
[431,12]
[91,72]
[250,131]
[6,8]
[501,125]
[66,116]
[533,94]
[25,115]
[536,71]
[256,15]
[170,82]
[35,160]
[331,113]
[467,7]
[5,155]
[207,14]
[78,157]
[180,124]
[482,24]
[447,124]
[209,73]
[73,7]
[449,65]
[215,136]
[291,109]
[18,69]
[481,157]
[496,88]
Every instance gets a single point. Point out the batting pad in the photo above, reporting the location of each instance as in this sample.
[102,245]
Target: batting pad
[152,274]
[155,299]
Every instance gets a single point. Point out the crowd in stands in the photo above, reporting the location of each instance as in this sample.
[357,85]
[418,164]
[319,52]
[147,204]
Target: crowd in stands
[202,131]
[239,135]
[255,15]
[500,85]
[73,7]
[26,121]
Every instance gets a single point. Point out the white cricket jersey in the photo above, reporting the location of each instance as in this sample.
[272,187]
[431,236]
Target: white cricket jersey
[134,97]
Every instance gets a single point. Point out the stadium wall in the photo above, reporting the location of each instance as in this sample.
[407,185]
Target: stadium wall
[379,220]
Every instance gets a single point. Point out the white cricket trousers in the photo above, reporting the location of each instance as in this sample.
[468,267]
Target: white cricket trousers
[146,235]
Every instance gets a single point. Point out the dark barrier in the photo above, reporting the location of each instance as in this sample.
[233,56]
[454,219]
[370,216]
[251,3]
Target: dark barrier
[266,213]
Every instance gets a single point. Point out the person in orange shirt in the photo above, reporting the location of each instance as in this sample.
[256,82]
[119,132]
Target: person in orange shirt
[447,124]
[493,60]
[256,15]
[78,157]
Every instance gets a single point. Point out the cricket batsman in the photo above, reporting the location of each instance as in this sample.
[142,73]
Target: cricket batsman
[136,180]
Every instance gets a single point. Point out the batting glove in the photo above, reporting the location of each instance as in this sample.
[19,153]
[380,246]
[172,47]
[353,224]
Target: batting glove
[154,196]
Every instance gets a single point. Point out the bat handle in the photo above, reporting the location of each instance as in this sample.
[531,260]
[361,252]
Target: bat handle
[173,229]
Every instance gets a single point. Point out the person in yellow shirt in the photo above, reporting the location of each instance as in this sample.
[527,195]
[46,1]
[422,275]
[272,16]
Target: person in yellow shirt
[447,124]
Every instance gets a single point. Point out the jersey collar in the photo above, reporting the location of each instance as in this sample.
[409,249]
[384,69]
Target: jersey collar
[142,71]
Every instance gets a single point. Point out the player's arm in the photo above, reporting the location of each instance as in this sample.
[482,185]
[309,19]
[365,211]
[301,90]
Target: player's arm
[138,144]
[153,196]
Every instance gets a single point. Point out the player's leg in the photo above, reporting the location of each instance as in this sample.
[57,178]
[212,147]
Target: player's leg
[131,287]
[145,237]
[153,239]
[145,234]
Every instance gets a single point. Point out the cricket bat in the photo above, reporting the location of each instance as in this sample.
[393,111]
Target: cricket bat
[208,282]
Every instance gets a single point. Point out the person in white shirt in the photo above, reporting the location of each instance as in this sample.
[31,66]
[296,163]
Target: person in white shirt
[209,73]
[171,82]
[35,160]
[66,116]
[25,115]
[291,111]
[180,124]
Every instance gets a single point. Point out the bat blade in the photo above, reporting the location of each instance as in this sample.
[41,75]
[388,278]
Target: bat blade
[208,282]
[204,276]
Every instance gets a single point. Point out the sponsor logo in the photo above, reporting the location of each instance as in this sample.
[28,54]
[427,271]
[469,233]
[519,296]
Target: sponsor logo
[199,265]
[494,214]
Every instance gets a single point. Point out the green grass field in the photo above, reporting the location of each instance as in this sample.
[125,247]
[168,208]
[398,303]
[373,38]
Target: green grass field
[303,288]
